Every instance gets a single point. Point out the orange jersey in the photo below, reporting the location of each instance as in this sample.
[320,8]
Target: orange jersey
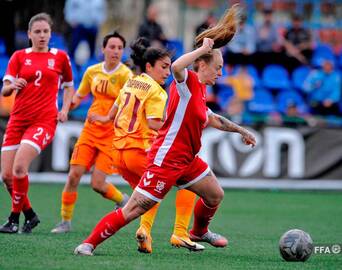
[105,87]
[140,99]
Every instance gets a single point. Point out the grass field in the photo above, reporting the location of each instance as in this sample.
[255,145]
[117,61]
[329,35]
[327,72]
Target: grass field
[252,220]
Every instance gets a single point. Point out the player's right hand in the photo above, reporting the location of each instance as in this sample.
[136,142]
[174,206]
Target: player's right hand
[208,44]
[19,83]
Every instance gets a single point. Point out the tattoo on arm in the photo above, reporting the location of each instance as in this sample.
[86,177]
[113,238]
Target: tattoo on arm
[227,125]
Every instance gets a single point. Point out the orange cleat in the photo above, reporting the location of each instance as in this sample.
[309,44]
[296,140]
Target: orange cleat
[144,240]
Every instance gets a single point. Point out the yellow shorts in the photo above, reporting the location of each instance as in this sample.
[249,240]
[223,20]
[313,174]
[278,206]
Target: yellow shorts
[131,164]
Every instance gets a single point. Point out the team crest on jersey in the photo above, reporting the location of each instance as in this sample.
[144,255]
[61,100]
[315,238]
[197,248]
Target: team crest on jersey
[51,63]
[28,62]
[112,80]
[160,186]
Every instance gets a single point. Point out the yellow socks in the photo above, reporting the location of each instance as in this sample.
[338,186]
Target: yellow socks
[185,201]
[113,194]
[147,219]
[68,204]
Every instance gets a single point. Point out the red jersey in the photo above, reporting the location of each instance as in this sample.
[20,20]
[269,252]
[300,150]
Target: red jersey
[43,72]
[179,140]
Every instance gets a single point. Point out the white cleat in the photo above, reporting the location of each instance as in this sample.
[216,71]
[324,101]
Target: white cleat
[84,249]
[62,227]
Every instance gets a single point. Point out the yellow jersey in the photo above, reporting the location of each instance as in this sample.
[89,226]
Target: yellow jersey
[140,99]
[105,87]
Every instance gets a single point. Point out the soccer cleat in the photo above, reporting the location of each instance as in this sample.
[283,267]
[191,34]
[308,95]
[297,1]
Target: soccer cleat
[84,249]
[184,241]
[213,239]
[144,240]
[123,202]
[62,227]
[29,224]
[9,227]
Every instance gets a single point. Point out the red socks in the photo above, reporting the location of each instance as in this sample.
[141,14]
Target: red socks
[106,227]
[202,217]
[19,194]
[27,203]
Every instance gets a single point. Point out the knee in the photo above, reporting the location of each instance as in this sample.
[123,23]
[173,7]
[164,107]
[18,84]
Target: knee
[216,198]
[74,178]
[19,171]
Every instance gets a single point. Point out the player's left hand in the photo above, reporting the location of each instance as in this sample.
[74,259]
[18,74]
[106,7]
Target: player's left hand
[248,138]
[62,116]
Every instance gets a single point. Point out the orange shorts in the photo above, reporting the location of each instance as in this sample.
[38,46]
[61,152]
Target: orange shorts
[89,155]
[131,164]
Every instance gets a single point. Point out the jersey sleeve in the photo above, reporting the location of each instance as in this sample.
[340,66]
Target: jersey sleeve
[182,87]
[67,72]
[85,85]
[155,104]
[12,68]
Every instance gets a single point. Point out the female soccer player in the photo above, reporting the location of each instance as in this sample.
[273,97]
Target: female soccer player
[94,146]
[140,113]
[173,158]
[34,73]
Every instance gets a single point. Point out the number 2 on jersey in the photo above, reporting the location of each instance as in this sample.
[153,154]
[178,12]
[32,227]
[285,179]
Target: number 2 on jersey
[134,113]
[39,75]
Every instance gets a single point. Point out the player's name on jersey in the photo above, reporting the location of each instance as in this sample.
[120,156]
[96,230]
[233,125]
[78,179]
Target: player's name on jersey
[139,85]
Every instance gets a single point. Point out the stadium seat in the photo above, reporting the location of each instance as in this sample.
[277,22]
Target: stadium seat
[290,97]
[176,47]
[275,77]
[3,65]
[57,41]
[321,52]
[224,93]
[2,47]
[262,102]
[299,75]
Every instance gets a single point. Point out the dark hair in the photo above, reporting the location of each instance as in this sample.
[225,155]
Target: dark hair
[207,58]
[40,17]
[113,35]
[296,17]
[142,53]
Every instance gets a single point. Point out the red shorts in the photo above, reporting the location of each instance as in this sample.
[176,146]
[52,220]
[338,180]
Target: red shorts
[38,135]
[157,181]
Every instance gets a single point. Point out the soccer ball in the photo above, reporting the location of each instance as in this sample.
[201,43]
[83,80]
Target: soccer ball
[295,245]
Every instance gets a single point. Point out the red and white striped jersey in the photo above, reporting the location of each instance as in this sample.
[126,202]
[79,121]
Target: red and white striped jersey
[43,72]
[179,140]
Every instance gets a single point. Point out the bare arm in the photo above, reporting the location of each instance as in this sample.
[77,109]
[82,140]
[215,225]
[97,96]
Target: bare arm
[155,124]
[8,86]
[178,67]
[67,97]
[222,123]
[104,118]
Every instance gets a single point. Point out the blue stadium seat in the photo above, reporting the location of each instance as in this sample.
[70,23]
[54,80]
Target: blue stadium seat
[290,97]
[262,102]
[176,47]
[2,47]
[224,94]
[322,52]
[3,65]
[275,77]
[299,75]
[57,41]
